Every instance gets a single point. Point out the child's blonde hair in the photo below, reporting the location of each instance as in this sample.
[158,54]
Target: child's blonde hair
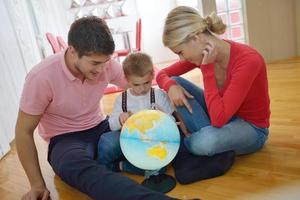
[184,22]
[138,64]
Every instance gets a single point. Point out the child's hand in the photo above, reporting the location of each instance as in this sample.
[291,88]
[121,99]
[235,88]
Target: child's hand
[124,116]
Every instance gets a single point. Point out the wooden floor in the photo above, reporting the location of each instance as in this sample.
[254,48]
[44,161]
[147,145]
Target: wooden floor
[273,173]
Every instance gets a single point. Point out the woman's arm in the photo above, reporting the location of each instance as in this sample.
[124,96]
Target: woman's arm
[222,108]
[163,77]
[176,93]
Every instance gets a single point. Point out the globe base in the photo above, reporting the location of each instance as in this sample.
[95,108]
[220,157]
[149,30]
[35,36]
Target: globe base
[160,183]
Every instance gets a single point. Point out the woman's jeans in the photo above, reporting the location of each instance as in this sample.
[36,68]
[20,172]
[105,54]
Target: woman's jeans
[238,135]
[73,158]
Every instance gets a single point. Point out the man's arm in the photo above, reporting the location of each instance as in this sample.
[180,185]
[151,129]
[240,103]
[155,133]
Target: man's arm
[28,156]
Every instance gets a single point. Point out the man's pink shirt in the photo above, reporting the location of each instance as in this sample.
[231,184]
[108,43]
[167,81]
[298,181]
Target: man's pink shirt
[65,103]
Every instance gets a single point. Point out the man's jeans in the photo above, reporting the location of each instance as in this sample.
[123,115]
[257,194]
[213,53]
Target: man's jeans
[72,157]
[238,135]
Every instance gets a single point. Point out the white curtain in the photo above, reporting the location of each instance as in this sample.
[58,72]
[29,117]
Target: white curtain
[49,16]
[18,53]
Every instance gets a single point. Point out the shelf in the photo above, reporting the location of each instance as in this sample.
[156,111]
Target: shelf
[93,5]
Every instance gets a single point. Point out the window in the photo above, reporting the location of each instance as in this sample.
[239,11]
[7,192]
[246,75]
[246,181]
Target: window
[191,3]
[231,12]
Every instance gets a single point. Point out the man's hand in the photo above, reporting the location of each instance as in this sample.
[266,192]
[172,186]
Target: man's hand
[37,193]
[178,96]
[124,116]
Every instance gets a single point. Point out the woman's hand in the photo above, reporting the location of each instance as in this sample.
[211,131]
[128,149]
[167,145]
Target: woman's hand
[177,95]
[209,53]
[180,123]
[124,116]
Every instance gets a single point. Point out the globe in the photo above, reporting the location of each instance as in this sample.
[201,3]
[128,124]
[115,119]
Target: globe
[149,139]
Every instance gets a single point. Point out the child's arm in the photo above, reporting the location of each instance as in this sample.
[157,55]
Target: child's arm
[163,102]
[114,122]
[124,116]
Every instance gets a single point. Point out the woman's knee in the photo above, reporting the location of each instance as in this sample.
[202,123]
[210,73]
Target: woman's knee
[202,143]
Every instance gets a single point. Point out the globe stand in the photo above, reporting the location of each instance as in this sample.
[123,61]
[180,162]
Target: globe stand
[160,183]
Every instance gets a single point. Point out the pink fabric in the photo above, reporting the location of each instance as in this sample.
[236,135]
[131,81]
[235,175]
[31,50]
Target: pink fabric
[61,42]
[53,42]
[67,104]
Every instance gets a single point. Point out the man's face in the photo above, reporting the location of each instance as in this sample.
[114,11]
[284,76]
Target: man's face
[91,66]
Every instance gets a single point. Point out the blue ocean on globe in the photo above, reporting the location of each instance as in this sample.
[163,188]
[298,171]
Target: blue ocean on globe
[150,139]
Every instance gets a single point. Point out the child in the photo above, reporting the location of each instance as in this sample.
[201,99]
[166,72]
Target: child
[188,168]
[139,72]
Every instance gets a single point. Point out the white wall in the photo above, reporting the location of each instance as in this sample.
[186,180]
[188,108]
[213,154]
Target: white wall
[153,14]
[272,27]
[49,16]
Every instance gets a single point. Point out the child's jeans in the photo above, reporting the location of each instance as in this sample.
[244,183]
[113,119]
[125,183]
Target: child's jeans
[110,155]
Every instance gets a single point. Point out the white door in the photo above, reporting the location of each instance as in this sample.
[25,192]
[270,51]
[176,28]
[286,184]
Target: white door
[18,53]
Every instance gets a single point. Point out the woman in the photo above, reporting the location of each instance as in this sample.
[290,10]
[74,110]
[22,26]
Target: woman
[232,113]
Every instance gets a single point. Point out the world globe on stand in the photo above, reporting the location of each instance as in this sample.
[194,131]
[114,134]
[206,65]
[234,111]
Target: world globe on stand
[150,139]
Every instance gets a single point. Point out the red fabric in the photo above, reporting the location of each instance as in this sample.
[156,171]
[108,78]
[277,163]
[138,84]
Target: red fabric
[138,34]
[138,37]
[112,89]
[122,52]
[245,91]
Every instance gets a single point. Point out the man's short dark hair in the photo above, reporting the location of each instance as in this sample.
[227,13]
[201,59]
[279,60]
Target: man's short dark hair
[91,35]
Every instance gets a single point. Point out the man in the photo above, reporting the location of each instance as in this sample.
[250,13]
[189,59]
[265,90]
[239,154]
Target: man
[61,96]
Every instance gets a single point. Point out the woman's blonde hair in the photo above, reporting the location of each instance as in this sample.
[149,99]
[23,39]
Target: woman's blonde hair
[137,64]
[184,22]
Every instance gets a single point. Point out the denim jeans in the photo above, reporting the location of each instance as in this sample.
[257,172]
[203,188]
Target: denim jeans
[110,154]
[72,157]
[238,135]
